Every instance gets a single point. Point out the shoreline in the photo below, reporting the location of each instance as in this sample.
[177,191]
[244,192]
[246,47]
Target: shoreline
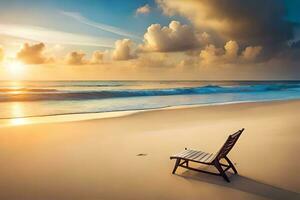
[86,116]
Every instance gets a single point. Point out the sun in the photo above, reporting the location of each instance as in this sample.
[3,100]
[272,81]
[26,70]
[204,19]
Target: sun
[15,67]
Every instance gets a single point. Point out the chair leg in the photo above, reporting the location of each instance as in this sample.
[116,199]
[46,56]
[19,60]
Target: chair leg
[231,165]
[222,173]
[176,165]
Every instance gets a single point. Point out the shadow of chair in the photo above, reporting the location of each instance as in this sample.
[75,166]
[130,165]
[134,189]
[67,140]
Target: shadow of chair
[244,184]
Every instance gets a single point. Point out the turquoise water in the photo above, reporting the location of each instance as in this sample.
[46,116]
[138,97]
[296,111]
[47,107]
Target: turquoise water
[47,98]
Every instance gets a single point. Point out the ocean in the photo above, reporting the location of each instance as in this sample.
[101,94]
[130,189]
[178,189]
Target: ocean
[29,99]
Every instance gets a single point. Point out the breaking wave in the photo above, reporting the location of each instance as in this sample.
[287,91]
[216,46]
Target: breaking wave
[49,94]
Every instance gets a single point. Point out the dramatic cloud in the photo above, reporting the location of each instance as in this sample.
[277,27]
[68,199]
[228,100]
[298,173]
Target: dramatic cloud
[75,58]
[176,37]
[33,54]
[1,54]
[143,10]
[97,57]
[252,22]
[124,50]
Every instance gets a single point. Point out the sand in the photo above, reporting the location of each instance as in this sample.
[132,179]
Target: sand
[98,159]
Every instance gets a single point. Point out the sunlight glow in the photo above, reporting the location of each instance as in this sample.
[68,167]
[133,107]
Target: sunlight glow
[15,67]
[17,112]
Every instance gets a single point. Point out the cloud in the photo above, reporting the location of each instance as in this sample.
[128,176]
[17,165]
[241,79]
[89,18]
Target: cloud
[1,54]
[230,54]
[46,35]
[33,54]
[78,58]
[210,54]
[124,50]
[104,27]
[175,37]
[252,22]
[75,58]
[154,60]
[97,57]
[143,10]
[250,53]
[231,50]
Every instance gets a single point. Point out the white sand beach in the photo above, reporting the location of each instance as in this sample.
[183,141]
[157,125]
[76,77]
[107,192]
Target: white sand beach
[97,159]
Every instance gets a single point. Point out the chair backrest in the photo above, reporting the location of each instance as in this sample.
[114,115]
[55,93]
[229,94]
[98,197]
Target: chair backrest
[230,142]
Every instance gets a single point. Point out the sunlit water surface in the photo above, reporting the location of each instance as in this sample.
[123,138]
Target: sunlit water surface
[33,102]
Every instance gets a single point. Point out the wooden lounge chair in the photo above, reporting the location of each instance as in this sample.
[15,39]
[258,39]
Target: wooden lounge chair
[183,158]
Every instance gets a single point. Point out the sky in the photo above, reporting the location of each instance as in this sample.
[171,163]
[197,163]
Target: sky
[149,40]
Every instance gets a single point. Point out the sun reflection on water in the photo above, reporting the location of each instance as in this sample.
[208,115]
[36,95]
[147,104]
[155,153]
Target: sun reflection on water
[16,84]
[16,87]
[18,121]
[17,111]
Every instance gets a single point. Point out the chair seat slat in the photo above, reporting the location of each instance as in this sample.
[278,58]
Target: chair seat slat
[200,155]
[182,153]
[210,158]
[195,155]
[203,155]
[191,155]
[204,158]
